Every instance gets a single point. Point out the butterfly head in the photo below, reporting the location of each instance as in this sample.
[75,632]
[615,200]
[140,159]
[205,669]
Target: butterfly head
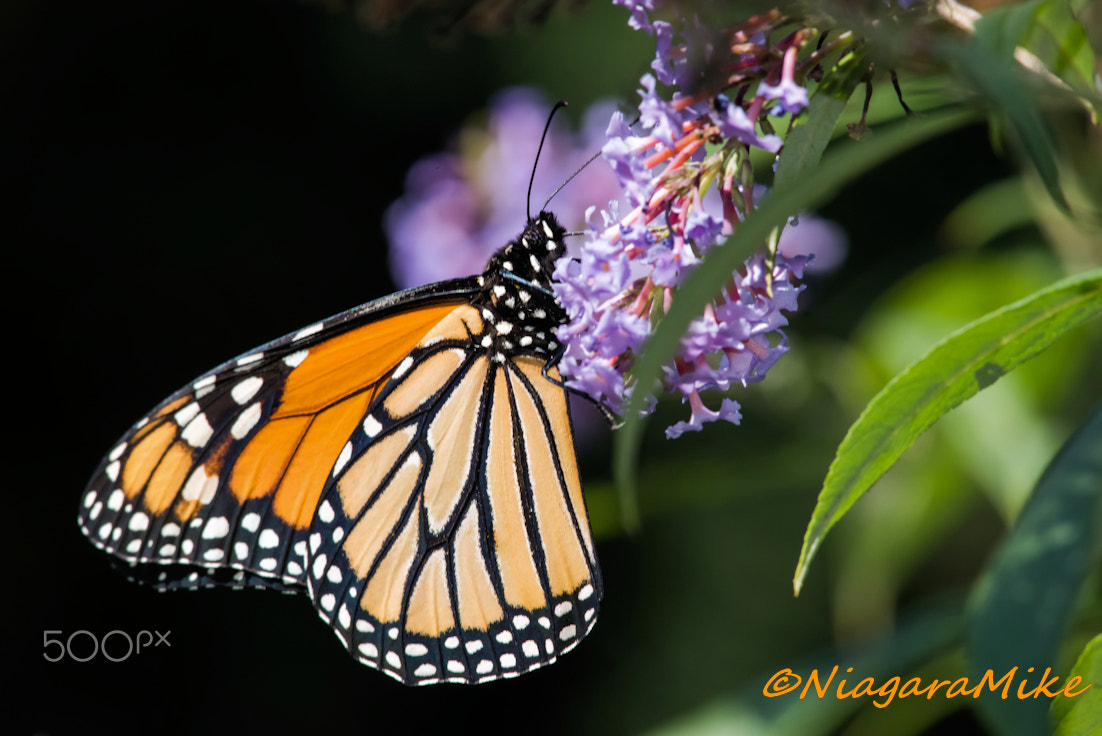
[531,257]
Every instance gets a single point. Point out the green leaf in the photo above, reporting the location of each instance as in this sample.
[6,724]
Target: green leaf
[851,160]
[1081,713]
[1022,604]
[1002,29]
[804,146]
[971,359]
[1001,81]
[1058,39]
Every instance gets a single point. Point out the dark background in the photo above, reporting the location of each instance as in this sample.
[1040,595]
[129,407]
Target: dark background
[186,180]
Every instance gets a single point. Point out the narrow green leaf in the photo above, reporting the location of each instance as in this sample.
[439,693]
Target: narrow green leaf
[851,160]
[1081,713]
[1001,81]
[1058,39]
[1002,29]
[1022,604]
[804,146]
[969,360]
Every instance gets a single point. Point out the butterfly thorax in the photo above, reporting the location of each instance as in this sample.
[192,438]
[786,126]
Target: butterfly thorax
[516,297]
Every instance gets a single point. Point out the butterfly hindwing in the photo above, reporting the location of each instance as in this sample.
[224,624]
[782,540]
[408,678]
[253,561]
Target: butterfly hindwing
[453,543]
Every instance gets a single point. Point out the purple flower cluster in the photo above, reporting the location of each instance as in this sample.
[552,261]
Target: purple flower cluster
[459,207]
[677,185]
[684,198]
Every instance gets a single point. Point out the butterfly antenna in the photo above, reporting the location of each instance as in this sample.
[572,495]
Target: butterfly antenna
[563,185]
[547,127]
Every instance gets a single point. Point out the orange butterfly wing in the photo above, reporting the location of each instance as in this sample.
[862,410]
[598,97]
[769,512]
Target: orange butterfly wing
[419,486]
[453,542]
[228,470]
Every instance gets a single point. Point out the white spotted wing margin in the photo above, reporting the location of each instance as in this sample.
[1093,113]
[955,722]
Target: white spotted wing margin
[453,544]
[160,501]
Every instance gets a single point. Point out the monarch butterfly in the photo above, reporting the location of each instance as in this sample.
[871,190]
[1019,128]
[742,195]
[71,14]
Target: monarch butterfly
[408,464]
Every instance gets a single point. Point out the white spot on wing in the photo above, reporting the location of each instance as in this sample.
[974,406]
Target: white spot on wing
[372,426]
[246,389]
[295,359]
[198,431]
[311,330]
[343,458]
[403,367]
[249,359]
[245,421]
[216,528]
[185,415]
[199,487]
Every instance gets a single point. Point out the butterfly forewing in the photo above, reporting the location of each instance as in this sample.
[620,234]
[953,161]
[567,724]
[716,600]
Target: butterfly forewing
[409,464]
[226,472]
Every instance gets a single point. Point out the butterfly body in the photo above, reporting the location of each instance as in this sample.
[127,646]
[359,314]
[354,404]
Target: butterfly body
[408,464]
